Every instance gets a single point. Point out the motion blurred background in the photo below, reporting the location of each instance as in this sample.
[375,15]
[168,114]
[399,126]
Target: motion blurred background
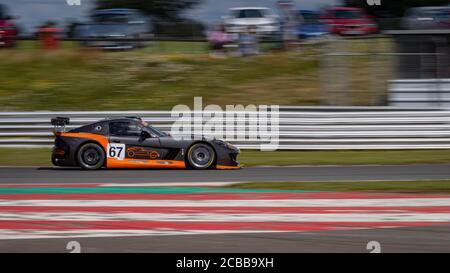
[360,82]
[58,55]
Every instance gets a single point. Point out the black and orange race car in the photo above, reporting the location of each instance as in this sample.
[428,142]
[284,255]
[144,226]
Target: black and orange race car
[132,143]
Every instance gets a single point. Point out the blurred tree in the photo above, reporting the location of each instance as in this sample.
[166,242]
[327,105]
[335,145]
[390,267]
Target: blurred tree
[393,7]
[162,9]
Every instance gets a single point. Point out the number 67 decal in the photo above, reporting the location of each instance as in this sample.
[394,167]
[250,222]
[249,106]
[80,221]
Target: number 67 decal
[116,151]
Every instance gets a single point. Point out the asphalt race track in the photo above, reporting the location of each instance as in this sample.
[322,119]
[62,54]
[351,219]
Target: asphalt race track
[107,201]
[410,240]
[250,174]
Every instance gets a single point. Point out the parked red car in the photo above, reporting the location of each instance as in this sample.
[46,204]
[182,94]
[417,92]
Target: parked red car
[8,30]
[349,21]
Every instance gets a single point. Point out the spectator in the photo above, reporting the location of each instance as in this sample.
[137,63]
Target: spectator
[49,36]
[289,23]
[218,40]
[248,42]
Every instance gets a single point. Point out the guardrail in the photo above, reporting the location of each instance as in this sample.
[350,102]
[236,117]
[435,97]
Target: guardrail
[420,92]
[300,128]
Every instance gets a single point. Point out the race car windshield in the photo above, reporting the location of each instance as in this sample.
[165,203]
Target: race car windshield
[152,130]
[155,131]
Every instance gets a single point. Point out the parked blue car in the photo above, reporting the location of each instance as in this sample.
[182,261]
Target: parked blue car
[310,25]
[114,28]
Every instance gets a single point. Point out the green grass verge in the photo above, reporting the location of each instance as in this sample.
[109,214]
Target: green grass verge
[382,186]
[25,157]
[41,157]
[385,157]
[161,76]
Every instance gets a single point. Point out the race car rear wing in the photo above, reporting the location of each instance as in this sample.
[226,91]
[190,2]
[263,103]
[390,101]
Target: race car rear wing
[60,123]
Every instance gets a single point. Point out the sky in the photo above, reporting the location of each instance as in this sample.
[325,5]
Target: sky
[31,13]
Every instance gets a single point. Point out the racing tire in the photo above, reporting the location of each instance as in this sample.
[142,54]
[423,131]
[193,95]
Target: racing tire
[201,156]
[91,156]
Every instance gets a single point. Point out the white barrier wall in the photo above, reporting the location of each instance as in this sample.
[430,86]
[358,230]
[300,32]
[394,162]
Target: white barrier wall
[420,93]
[300,128]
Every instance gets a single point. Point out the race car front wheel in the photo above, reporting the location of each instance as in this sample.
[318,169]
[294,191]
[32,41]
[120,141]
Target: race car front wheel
[201,156]
[91,156]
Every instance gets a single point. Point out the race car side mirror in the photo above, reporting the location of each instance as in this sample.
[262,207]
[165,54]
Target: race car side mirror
[145,135]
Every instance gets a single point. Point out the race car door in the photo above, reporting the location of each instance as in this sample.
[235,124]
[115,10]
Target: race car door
[130,147]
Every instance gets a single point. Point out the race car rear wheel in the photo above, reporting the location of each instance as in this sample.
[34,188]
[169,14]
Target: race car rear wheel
[201,156]
[91,156]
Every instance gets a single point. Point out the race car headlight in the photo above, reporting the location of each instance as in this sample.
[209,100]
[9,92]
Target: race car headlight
[220,143]
[224,144]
